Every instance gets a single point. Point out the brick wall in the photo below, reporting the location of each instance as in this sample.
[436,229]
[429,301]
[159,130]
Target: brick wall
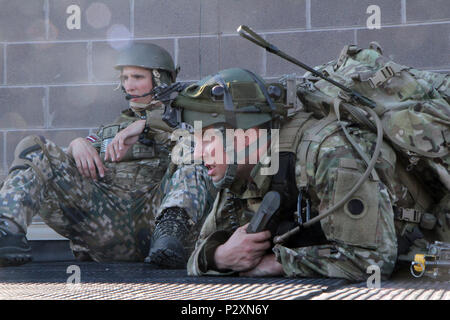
[59,82]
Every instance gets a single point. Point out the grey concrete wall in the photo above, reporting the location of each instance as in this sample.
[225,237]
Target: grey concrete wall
[59,82]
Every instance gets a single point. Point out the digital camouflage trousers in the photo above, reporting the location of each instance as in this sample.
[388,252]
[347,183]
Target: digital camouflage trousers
[112,217]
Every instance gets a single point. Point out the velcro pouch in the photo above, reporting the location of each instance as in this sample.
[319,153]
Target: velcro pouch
[356,222]
[136,152]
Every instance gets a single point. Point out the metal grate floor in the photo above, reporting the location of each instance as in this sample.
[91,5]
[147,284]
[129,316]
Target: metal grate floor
[135,281]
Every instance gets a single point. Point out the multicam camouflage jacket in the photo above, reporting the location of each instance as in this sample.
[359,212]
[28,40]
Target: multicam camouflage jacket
[413,105]
[355,239]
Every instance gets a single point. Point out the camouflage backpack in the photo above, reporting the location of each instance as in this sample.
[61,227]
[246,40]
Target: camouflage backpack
[413,105]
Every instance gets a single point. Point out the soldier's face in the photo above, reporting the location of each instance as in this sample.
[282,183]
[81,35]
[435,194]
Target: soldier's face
[214,157]
[137,81]
[209,147]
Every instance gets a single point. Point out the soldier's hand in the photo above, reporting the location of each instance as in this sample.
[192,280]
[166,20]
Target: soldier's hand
[268,266]
[242,251]
[86,158]
[116,150]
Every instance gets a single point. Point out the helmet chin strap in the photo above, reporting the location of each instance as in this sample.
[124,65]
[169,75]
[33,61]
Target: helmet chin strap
[230,173]
[156,81]
[229,177]
[137,106]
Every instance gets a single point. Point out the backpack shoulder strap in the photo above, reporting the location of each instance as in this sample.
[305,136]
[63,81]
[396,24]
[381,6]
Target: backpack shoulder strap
[314,135]
[292,131]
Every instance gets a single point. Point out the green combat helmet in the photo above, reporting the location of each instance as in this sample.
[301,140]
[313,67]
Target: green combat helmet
[233,98]
[236,97]
[149,56]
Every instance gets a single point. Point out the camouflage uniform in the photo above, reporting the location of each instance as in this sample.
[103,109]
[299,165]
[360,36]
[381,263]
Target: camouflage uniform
[414,107]
[112,218]
[340,258]
[358,234]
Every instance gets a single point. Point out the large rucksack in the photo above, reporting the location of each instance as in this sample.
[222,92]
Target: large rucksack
[413,105]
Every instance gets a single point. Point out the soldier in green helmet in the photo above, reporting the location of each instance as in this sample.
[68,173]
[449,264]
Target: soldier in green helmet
[292,170]
[107,192]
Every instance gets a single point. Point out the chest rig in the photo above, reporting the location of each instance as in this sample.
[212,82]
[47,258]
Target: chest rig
[136,152]
[295,204]
[147,147]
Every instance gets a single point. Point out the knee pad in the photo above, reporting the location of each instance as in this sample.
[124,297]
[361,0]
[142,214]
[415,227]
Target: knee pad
[24,148]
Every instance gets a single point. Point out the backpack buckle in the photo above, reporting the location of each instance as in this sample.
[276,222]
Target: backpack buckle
[407,214]
[345,53]
[381,76]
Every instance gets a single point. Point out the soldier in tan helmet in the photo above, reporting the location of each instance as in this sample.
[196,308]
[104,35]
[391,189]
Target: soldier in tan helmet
[108,189]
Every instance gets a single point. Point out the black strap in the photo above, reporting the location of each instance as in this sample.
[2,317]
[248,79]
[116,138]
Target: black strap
[285,184]
[405,241]
[230,115]
[265,93]
[284,180]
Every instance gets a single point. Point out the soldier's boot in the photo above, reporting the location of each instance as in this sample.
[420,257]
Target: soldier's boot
[82,256]
[14,247]
[167,246]
[80,252]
